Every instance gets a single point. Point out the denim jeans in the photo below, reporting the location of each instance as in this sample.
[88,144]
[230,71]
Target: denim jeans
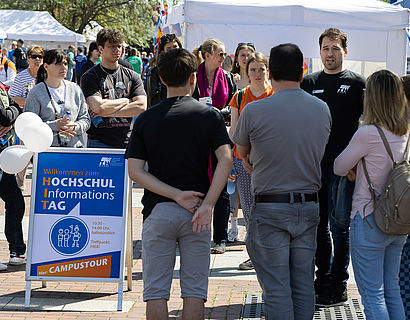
[376,262]
[97,144]
[11,194]
[281,243]
[332,267]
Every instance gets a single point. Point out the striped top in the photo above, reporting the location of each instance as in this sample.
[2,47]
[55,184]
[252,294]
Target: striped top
[23,83]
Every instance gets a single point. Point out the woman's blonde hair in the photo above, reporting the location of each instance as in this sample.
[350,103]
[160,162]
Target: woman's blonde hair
[209,46]
[385,103]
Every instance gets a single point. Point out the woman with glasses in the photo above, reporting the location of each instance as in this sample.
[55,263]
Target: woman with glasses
[240,59]
[376,255]
[218,85]
[156,90]
[26,79]
[58,102]
[256,70]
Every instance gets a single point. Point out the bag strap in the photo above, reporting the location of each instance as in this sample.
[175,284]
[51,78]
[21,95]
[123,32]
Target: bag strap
[386,144]
[406,151]
[55,110]
[369,183]
[239,100]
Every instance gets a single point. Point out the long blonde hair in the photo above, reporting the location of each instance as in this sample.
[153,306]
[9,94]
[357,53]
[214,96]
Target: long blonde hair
[209,46]
[385,103]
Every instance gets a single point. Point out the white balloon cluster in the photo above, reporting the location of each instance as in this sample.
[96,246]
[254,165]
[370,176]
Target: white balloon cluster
[37,137]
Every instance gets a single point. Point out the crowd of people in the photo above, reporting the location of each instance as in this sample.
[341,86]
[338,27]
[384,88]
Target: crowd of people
[302,148]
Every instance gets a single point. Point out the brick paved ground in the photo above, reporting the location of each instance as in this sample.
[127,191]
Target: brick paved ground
[227,287]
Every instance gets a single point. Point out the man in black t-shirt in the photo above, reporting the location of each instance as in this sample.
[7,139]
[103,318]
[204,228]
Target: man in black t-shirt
[342,90]
[20,56]
[176,138]
[114,94]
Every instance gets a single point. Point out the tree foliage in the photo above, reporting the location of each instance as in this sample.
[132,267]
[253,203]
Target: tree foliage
[136,18]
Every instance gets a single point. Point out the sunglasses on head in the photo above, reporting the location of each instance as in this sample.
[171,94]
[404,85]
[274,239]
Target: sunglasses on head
[249,44]
[36,56]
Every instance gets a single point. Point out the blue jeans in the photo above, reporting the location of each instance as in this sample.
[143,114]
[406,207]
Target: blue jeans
[281,243]
[11,194]
[376,262]
[97,144]
[332,266]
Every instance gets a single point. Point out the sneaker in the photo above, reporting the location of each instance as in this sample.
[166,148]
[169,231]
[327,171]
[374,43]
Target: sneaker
[219,248]
[246,265]
[233,235]
[17,260]
[3,267]
[331,298]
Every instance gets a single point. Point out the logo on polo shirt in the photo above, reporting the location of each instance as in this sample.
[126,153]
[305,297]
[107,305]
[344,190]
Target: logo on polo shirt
[343,89]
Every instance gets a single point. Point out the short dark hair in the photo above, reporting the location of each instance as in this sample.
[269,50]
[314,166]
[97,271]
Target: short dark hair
[113,36]
[334,34]
[176,66]
[79,49]
[20,40]
[167,38]
[286,62]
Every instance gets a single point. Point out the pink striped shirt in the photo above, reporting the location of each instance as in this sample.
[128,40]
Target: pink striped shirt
[367,143]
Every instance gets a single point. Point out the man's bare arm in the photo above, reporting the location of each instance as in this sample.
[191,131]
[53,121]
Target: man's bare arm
[19,100]
[132,109]
[243,151]
[105,107]
[189,200]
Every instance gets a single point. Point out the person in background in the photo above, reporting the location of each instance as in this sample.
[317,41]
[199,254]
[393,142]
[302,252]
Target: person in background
[23,83]
[257,68]
[80,59]
[59,103]
[135,61]
[151,55]
[114,94]
[219,85]
[404,275]
[156,90]
[11,51]
[92,56]
[342,90]
[9,191]
[145,67]
[26,79]
[7,71]
[242,52]
[375,254]
[71,63]
[20,56]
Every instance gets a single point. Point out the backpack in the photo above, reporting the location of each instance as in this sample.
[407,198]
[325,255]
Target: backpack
[239,99]
[9,138]
[392,207]
[6,64]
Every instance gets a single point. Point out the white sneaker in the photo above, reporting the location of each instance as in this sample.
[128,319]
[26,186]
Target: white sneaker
[16,260]
[233,235]
[3,267]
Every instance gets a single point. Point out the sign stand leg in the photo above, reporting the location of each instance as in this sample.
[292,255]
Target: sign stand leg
[28,293]
[44,284]
[120,295]
[129,248]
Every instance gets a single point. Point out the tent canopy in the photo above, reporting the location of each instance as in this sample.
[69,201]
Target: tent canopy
[35,26]
[375,29]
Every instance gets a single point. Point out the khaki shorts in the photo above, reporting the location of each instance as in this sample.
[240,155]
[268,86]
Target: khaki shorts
[167,227]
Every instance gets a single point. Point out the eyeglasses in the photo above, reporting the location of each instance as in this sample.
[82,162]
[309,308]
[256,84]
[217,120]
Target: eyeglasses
[35,56]
[249,44]
[222,54]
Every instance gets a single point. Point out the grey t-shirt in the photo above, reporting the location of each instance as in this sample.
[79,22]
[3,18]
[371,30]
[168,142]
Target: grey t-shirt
[288,133]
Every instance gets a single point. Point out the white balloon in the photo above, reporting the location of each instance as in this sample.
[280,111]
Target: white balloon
[37,137]
[25,119]
[15,158]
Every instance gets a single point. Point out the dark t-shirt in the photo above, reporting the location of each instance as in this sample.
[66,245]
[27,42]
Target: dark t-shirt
[87,66]
[176,138]
[111,84]
[343,93]
[21,57]
[79,59]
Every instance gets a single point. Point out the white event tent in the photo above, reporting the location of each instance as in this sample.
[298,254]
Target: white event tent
[375,29]
[36,27]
